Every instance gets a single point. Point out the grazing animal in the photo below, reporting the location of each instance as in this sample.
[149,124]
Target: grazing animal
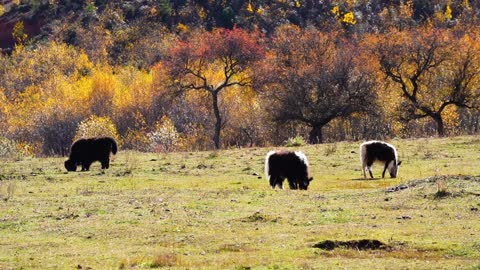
[85,151]
[372,151]
[285,164]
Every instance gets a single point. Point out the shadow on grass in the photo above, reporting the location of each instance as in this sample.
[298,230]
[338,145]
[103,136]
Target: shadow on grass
[367,179]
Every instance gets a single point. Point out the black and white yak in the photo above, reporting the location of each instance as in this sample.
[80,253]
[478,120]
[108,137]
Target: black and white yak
[285,164]
[372,151]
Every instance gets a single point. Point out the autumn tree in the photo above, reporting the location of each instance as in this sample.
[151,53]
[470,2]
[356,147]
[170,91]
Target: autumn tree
[103,87]
[432,71]
[313,78]
[3,113]
[42,98]
[56,128]
[33,67]
[96,126]
[19,34]
[213,62]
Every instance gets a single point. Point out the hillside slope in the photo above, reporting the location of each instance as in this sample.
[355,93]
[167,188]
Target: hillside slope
[57,19]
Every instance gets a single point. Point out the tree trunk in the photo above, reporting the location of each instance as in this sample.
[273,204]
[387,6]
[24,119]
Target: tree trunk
[218,120]
[440,125]
[315,136]
[250,138]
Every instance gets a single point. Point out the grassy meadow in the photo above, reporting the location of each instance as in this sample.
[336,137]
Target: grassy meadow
[211,210]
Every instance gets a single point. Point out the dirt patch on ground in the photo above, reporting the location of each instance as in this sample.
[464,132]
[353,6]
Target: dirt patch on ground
[259,217]
[364,244]
[434,179]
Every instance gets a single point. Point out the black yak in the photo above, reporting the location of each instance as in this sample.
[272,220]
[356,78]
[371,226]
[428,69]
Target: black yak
[85,151]
[285,164]
[372,151]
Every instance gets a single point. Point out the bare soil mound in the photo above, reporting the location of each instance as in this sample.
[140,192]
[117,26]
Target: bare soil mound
[364,244]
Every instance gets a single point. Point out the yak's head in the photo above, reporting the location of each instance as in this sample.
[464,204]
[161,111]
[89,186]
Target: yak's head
[393,168]
[303,184]
[70,165]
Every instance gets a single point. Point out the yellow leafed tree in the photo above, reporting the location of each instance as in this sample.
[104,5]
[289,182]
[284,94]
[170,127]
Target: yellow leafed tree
[96,126]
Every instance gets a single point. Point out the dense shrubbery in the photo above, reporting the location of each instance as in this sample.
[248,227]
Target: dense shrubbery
[96,126]
[327,71]
[295,141]
[7,148]
[164,137]
[11,149]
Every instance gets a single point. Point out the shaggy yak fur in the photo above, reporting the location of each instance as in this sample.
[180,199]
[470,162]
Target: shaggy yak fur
[285,164]
[379,151]
[85,151]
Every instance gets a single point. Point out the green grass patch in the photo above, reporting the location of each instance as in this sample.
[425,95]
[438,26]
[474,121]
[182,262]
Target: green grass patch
[215,210]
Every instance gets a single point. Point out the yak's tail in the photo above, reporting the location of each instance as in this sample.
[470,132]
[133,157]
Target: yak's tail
[267,166]
[114,145]
[363,157]
[363,153]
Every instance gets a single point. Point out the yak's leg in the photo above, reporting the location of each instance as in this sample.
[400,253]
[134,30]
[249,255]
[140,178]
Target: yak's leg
[292,183]
[369,166]
[276,181]
[105,164]
[385,169]
[280,182]
[370,171]
[364,170]
[273,181]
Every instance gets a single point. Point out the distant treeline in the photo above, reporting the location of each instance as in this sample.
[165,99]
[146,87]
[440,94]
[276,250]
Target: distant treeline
[128,21]
[196,75]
